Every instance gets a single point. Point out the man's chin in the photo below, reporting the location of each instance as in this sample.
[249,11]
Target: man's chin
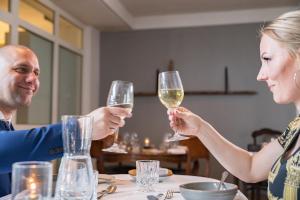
[24,102]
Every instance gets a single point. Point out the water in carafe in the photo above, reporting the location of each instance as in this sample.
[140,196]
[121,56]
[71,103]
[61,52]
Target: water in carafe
[75,175]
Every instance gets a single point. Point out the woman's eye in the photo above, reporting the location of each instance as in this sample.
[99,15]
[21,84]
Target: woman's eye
[266,59]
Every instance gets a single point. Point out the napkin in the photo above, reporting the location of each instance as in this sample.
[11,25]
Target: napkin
[163,171]
[177,150]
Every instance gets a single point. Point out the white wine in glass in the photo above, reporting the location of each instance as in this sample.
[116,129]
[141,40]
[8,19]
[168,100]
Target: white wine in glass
[120,95]
[171,98]
[170,93]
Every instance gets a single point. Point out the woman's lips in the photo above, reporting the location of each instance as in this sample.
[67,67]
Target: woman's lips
[271,87]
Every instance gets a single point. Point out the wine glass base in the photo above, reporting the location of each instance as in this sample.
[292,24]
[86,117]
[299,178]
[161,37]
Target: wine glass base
[177,137]
[115,149]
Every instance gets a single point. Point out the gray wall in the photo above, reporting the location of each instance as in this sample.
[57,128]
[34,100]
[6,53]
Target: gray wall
[200,55]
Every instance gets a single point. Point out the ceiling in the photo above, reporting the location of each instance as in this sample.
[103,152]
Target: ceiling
[117,15]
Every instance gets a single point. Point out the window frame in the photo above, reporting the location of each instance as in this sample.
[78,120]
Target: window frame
[12,18]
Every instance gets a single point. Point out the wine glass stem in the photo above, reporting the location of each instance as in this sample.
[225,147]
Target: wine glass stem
[116,136]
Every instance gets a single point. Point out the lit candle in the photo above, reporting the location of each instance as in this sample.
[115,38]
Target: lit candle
[32,187]
[147,142]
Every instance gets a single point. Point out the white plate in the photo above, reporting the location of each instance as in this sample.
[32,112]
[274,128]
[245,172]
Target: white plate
[105,178]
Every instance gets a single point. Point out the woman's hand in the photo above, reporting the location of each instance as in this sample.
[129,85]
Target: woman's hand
[107,120]
[184,121]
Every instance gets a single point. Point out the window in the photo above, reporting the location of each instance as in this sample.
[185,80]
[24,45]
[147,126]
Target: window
[70,33]
[61,57]
[69,92]
[37,14]
[4,33]
[39,112]
[4,5]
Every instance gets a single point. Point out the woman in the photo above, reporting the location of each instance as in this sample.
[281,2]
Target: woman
[279,161]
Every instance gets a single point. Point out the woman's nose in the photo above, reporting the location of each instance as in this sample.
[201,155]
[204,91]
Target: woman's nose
[261,76]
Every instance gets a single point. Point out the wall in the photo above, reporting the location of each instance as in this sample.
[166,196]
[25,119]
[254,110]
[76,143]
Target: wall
[200,55]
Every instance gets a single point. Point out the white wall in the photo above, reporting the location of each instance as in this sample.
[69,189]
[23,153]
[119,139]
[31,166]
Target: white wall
[200,55]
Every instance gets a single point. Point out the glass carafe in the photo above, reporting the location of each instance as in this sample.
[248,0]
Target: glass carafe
[75,175]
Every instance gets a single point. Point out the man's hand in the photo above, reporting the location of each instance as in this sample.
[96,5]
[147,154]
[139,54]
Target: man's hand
[107,120]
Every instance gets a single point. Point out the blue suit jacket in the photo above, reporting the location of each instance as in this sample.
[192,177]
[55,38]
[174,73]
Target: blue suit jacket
[39,144]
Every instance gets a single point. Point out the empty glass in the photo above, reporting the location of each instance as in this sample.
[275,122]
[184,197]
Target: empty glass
[31,180]
[120,95]
[147,174]
[75,176]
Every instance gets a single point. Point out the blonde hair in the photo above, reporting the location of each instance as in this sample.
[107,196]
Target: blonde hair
[286,30]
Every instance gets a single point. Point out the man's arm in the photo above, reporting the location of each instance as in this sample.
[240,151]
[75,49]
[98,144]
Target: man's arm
[40,144]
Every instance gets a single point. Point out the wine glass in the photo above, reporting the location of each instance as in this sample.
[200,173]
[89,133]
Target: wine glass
[170,93]
[120,95]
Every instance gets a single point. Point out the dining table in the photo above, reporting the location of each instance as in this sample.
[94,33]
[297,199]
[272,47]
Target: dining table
[127,188]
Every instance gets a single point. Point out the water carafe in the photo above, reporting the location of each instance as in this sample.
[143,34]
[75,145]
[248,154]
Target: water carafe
[75,176]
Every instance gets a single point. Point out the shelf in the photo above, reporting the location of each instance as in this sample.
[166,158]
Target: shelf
[225,92]
[193,93]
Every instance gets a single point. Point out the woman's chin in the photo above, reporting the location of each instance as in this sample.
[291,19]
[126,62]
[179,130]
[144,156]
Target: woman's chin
[279,100]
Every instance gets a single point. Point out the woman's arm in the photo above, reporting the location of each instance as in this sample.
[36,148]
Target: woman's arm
[249,167]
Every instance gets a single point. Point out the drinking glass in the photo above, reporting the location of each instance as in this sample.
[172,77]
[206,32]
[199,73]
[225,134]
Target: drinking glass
[170,93]
[120,95]
[75,175]
[95,176]
[31,180]
[147,174]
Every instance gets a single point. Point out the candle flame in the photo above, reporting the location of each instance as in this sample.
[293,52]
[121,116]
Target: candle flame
[147,142]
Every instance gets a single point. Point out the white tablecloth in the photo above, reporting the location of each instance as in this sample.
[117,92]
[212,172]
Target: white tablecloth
[127,189]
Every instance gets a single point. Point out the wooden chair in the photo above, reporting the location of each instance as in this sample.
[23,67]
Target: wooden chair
[197,151]
[260,137]
[96,150]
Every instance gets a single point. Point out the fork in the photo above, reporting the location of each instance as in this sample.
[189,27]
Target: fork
[169,194]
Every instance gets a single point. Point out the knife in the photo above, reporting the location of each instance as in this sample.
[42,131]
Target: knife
[152,197]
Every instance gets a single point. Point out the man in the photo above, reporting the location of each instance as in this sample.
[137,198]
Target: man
[19,81]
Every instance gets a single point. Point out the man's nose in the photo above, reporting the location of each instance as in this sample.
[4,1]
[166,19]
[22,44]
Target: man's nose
[31,77]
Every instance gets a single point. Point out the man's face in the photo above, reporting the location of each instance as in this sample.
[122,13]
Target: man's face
[19,77]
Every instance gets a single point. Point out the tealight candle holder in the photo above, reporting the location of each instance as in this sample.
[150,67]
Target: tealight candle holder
[147,143]
[31,180]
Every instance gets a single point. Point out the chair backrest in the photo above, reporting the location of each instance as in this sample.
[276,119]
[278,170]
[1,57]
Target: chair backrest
[98,145]
[262,136]
[196,149]
[266,133]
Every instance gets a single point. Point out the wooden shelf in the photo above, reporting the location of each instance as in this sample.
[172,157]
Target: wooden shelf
[226,90]
[193,93]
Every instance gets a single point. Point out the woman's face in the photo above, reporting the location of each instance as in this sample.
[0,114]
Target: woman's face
[277,70]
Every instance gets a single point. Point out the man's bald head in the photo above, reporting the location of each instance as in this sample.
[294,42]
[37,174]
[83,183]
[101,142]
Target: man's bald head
[9,54]
[19,73]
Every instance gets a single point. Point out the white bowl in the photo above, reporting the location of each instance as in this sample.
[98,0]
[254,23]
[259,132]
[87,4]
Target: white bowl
[208,191]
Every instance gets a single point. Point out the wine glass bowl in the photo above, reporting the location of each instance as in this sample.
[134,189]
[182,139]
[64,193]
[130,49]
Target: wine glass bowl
[120,95]
[171,93]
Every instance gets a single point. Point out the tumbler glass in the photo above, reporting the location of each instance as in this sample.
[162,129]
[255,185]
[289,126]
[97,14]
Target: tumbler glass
[147,174]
